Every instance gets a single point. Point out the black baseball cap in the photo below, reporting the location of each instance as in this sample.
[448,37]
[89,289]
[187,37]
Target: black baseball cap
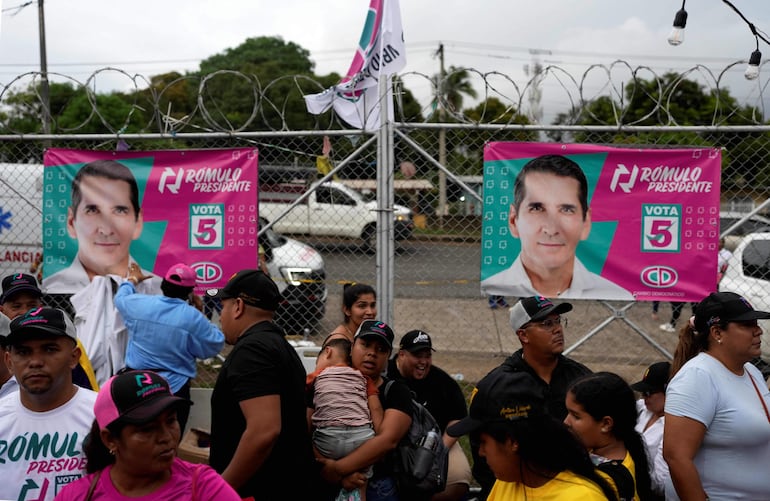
[253,287]
[655,378]
[722,307]
[375,329]
[534,309]
[416,340]
[41,321]
[20,282]
[502,395]
[134,397]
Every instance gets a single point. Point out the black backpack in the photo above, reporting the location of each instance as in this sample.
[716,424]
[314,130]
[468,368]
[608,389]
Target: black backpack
[419,469]
[621,477]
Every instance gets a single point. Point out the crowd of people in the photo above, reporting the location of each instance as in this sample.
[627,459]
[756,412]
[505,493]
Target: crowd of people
[541,425]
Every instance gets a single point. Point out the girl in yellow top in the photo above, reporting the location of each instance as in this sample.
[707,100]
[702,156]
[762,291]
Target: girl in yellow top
[533,455]
[601,412]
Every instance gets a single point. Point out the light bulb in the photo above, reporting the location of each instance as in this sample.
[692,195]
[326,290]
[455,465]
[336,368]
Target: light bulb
[676,37]
[752,70]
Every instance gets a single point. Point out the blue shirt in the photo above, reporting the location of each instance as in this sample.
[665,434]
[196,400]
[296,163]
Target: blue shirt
[166,335]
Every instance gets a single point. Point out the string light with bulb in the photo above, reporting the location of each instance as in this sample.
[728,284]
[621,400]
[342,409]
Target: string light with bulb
[676,37]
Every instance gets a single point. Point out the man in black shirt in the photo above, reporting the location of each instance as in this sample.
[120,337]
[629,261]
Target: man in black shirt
[538,323]
[259,438]
[441,395]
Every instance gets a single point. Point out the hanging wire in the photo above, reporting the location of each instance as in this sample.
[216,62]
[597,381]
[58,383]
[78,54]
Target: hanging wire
[757,33]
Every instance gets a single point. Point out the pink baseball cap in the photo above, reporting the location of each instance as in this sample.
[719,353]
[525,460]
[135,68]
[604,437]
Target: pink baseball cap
[134,397]
[181,274]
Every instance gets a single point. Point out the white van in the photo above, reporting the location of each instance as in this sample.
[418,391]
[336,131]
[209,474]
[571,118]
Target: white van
[21,204]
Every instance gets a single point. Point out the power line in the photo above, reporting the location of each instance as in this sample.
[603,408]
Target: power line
[114,63]
[557,52]
[17,8]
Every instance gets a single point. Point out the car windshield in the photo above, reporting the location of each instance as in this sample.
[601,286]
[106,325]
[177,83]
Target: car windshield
[756,259]
[270,237]
[754,224]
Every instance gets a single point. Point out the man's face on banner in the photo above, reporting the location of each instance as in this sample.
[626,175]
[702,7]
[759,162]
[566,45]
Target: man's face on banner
[104,224]
[549,222]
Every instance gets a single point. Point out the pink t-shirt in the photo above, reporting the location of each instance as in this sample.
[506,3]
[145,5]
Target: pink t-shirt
[209,486]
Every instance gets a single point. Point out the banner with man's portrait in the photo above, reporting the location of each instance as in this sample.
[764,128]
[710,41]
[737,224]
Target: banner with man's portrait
[103,210]
[578,221]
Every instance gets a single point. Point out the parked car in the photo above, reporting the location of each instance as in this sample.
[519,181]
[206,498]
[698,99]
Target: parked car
[754,224]
[331,209]
[298,270]
[748,274]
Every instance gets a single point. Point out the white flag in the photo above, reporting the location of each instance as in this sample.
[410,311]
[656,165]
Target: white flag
[381,52]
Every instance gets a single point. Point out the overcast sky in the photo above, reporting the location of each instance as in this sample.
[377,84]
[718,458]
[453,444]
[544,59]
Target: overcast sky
[152,37]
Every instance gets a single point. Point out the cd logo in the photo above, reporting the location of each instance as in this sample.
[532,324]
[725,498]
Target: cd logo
[660,277]
[207,272]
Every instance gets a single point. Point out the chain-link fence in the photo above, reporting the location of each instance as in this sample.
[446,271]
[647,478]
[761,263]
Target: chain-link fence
[436,278]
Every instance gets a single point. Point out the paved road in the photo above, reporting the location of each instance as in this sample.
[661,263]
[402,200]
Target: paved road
[423,269]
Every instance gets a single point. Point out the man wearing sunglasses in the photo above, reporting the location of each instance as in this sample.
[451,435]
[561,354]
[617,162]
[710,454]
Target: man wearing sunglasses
[539,324]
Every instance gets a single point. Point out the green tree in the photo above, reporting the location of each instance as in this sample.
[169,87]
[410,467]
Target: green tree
[668,100]
[451,89]
[23,108]
[105,113]
[493,111]
[674,99]
[264,83]
[466,152]
[270,54]
[174,97]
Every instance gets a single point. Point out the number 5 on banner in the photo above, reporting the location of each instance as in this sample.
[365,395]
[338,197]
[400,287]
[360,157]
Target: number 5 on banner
[660,228]
[206,226]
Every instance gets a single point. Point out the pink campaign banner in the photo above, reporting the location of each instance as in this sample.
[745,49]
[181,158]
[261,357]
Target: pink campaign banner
[197,207]
[650,230]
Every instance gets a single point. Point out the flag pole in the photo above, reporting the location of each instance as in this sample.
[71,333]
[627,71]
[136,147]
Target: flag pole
[385,199]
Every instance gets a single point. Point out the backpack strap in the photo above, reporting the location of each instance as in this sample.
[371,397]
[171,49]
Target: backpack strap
[621,477]
[92,487]
[387,387]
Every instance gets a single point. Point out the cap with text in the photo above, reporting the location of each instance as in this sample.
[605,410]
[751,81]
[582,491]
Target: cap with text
[535,309]
[655,378]
[375,329]
[20,282]
[501,396]
[181,274]
[134,397]
[416,340]
[253,287]
[41,321]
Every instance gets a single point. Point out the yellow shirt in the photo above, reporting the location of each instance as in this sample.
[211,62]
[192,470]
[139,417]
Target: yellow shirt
[566,486]
[628,462]
[630,466]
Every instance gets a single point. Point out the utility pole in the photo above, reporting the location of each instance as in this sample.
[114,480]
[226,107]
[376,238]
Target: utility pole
[44,89]
[442,209]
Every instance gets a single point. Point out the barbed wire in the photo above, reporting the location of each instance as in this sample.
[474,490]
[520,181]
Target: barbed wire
[231,101]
